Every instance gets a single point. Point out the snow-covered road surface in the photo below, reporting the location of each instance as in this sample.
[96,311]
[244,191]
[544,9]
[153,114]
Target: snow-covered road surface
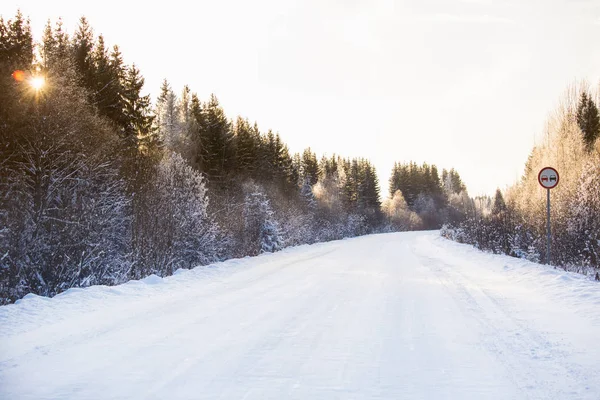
[395,316]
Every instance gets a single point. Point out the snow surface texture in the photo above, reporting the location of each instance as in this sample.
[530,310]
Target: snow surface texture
[395,316]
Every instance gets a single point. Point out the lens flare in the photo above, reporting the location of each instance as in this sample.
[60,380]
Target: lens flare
[18,75]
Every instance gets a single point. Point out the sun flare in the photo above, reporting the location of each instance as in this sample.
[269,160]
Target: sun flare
[37,82]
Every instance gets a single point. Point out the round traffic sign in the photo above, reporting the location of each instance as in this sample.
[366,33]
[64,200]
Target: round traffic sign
[548,178]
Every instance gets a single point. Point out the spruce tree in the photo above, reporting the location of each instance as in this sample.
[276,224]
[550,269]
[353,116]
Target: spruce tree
[246,146]
[197,117]
[81,48]
[136,109]
[285,173]
[16,53]
[588,120]
[310,167]
[368,200]
[184,108]
[216,142]
[499,204]
[47,46]
[108,80]
[55,48]
[165,111]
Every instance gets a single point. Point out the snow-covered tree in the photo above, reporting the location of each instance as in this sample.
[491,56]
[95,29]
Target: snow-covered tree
[66,209]
[399,216]
[166,120]
[177,230]
[262,231]
[307,195]
[584,221]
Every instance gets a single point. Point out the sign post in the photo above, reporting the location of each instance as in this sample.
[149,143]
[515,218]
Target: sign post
[548,178]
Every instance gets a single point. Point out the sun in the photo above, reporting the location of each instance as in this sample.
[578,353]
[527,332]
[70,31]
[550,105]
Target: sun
[37,82]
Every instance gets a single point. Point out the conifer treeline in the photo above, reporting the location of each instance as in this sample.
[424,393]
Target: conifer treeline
[427,200]
[514,223]
[99,185]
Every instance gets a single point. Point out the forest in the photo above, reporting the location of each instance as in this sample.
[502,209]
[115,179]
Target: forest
[100,184]
[513,222]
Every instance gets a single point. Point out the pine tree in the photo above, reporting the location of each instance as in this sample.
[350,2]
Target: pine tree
[216,142]
[108,81]
[186,126]
[368,194]
[435,188]
[499,204]
[262,232]
[370,188]
[16,44]
[47,46]
[82,51]
[296,169]
[268,157]
[166,122]
[184,108]
[16,53]
[451,182]
[310,167]
[308,197]
[196,118]
[55,48]
[286,176]
[247,146]
[588,119]
[328,167]
[351,184]
[136,110]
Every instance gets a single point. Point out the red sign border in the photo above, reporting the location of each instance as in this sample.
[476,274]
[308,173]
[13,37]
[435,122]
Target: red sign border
[540,177]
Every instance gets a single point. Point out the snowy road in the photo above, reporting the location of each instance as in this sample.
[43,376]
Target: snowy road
[397,316]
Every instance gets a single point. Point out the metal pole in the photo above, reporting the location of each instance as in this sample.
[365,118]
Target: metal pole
[548,229]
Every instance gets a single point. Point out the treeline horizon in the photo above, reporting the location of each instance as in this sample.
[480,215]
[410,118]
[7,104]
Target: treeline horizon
[101,185]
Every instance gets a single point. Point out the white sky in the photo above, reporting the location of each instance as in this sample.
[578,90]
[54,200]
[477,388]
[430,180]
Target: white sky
[458,83]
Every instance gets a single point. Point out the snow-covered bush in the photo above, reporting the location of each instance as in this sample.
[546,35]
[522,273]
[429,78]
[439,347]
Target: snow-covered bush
[584,219]
[399,216]
[174,229]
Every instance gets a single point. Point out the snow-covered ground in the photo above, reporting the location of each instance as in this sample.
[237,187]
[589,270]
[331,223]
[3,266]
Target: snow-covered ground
[395,316]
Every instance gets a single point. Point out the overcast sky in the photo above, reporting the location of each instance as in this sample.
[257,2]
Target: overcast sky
[457,83]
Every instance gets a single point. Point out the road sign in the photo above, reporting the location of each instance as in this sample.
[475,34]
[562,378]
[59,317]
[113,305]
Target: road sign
[548,178]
